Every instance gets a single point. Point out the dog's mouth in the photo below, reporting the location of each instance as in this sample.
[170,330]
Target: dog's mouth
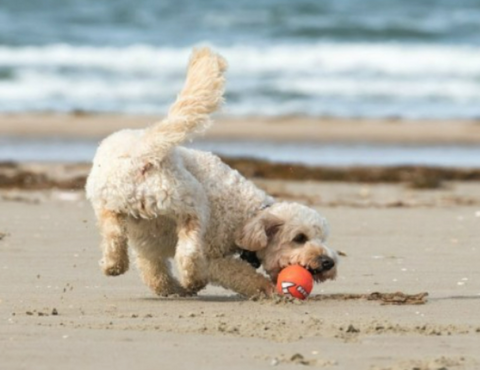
[314,271]
[320,271]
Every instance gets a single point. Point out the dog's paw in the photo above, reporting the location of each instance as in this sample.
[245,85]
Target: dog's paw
[193,273]
[173,290]
[193,286]
[265,289]
[177,294]
[114,268]
[193,280]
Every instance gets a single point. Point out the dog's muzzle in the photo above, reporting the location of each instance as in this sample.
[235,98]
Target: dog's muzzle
[325,264]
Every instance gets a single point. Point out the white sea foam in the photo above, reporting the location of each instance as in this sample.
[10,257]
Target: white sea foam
[325,78]
[399,59]
[131,59]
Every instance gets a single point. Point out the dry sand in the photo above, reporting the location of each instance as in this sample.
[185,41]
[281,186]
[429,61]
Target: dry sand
[57,310]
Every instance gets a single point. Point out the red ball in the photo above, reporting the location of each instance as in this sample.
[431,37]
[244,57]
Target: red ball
[295,281]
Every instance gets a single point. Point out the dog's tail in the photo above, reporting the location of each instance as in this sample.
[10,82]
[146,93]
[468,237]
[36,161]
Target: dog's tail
[201,95]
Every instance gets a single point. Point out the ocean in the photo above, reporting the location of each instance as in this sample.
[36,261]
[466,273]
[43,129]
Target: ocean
[413,59]
[313,154]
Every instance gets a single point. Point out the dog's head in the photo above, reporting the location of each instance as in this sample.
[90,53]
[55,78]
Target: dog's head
[289,234]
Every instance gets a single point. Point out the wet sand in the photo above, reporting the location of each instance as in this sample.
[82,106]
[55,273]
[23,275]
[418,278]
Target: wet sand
[254,128]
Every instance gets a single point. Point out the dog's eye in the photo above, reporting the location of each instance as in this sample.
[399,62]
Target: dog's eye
[300,238]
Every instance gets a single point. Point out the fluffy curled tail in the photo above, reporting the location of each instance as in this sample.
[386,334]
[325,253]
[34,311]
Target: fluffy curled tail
[201,95]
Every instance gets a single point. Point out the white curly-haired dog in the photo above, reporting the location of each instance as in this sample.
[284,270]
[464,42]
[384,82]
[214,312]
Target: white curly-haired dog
[168,201]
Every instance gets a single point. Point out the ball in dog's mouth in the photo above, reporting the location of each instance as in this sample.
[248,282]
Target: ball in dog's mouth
[295,281]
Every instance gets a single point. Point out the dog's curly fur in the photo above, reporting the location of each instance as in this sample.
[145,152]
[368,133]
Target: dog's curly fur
[167,201]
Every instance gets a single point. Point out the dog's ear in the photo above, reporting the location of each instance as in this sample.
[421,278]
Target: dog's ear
[258,231]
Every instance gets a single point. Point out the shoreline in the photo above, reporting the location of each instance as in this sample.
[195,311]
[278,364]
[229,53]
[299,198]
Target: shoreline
[278,129]
[72,176]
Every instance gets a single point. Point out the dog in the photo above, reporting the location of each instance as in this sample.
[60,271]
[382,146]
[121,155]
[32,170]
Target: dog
[170,202]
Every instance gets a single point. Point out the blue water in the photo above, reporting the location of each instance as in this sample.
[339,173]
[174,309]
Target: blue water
[55,150]
[343,58]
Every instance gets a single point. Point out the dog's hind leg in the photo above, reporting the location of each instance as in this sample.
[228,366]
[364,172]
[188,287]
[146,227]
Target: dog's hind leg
[114,242]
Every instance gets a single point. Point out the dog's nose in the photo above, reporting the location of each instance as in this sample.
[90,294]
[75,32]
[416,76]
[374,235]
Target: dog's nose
[327,263]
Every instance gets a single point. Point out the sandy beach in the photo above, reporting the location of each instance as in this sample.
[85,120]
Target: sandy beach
[57,310]
[367,111]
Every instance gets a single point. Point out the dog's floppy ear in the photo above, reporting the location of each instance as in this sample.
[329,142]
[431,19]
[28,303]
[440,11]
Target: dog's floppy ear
[258,231]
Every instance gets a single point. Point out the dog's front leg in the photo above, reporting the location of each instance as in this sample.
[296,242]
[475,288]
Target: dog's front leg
[156,274]
[114,242]
[239,276]
[189,254]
